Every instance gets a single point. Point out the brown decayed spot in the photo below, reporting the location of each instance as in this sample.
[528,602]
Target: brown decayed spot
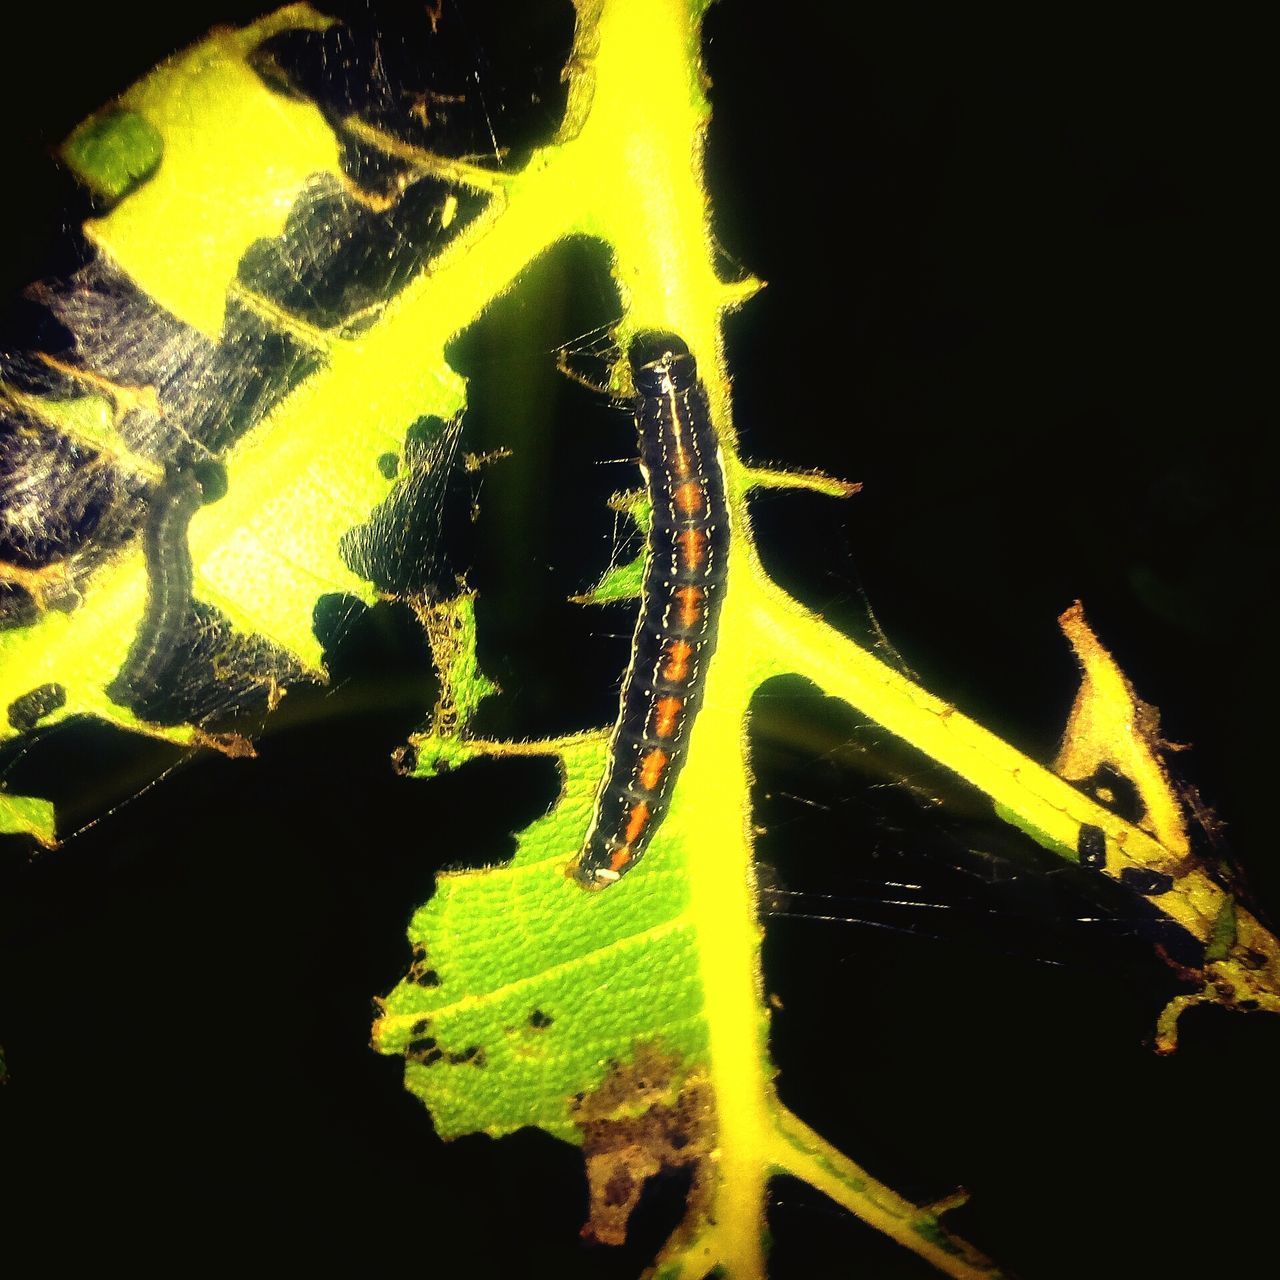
[689,497]
[651,767]
[693,550]
[645,1116]
[690,599]
[678,654]
[666,715]
[636,822]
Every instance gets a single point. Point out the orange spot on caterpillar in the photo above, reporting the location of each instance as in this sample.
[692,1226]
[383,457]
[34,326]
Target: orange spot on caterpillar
[666,714]
[636,822]
[693,548]
[689,497]
[651,768]
[675,632]
[690,599]
[678,654]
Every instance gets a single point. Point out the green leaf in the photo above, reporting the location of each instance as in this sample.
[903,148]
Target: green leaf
[627,1021]
[239,159]
[27,815]
[1222,939]
[551,1006]
[235,157]
[531,1001]
[113,152]
[623,581]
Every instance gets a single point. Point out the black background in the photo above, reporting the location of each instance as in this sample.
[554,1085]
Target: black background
[1015,288]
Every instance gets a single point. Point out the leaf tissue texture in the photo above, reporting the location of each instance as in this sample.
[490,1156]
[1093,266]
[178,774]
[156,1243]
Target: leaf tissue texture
[233,316]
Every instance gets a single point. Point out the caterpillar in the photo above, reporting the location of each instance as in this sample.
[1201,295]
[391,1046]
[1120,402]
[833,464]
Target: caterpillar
[681,593]
[164,543]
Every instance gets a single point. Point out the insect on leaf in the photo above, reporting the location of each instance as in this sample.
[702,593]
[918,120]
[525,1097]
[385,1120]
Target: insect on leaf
[283,189]
[203,464]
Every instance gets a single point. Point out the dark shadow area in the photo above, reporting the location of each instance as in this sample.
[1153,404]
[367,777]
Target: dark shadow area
[1010,290]
[543,531]
[957,1007]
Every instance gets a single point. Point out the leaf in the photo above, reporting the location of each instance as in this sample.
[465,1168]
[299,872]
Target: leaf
[181,351]
[628,1021]
[228,159]
[638,1004]
[26,814]
[1111,728]
[621,1018]
[114,151]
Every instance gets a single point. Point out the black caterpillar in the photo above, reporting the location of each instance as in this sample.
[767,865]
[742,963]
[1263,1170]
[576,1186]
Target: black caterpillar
[141,681]
[680,601]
